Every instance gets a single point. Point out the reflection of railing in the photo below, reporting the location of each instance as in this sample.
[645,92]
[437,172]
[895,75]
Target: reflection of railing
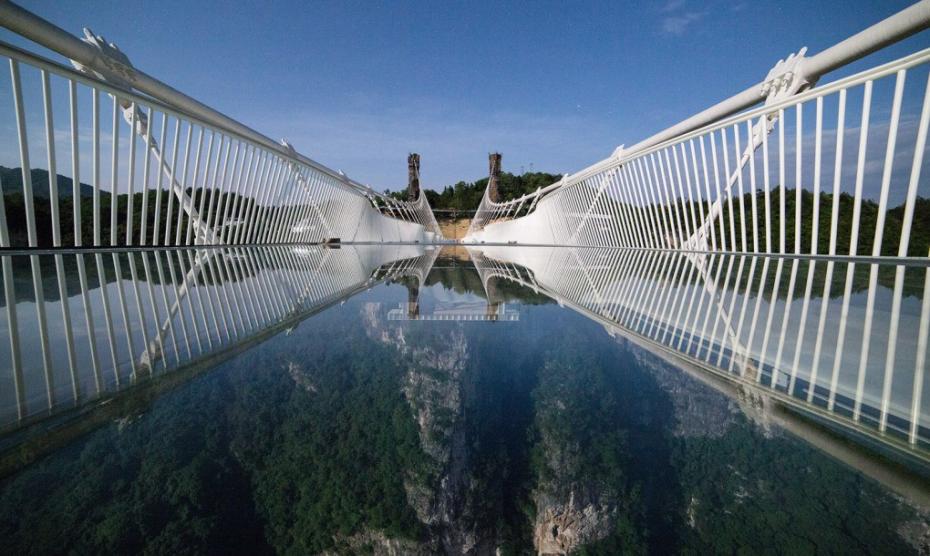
[730,315]
[185,174]
[748,182]
[142,314]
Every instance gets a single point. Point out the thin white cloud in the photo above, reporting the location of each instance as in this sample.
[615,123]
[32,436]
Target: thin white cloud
[677,24]
[677,19]
[672,5]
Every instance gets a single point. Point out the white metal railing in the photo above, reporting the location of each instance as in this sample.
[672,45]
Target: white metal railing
[490,212]
[163,169]
[122,317]
[723,182]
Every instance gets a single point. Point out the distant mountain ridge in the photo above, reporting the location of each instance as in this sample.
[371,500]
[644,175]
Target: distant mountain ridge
[12,182]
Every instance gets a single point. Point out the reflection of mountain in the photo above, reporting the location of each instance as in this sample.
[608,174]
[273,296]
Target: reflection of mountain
[177,261]
[698,410]
[626,452]
[739,472]
[462,277]
[601,450]
[434,384]
[432,381]
[573,507]
[773,354]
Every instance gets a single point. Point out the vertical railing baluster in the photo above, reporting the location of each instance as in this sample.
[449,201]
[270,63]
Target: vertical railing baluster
[52,167]
[920,360]
[233,206]
[877,240]
[158,183]
[193,195]
[76,192]
[95,166]
[131,178]
[146,166]
[221,194]
[114,172]
[217,183]
[903,244]
[26,168]
[108,316]
[181,188]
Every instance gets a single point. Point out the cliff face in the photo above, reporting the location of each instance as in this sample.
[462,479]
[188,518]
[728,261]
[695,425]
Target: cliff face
[435,386]
[591,439]
[377,543]
[576,501]
[572,507]
[432,383]
[699,409]
[567,519]
[301,376]
[570,512]
[916,533]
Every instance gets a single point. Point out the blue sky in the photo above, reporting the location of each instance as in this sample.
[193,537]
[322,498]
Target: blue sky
[555,85]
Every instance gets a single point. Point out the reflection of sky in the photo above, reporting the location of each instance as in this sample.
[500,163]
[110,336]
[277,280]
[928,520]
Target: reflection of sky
[442,294]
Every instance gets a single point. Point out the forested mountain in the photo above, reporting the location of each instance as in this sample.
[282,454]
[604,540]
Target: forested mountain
[12,181]
[466,196]
[15,205]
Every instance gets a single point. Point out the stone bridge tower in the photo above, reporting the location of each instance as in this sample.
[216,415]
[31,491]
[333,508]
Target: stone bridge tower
[494,177]
[413,177]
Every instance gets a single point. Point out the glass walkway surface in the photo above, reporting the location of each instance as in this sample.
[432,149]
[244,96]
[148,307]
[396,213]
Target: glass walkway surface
[413,399]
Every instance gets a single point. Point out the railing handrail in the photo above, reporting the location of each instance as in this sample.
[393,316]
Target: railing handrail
[47,34]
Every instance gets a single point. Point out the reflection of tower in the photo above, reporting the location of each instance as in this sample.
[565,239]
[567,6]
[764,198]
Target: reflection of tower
[494,176]
[413,299]
[493,310]
[413,177]
[490,289]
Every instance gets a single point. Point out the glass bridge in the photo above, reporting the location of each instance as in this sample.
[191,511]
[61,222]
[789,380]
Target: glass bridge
[713,341]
